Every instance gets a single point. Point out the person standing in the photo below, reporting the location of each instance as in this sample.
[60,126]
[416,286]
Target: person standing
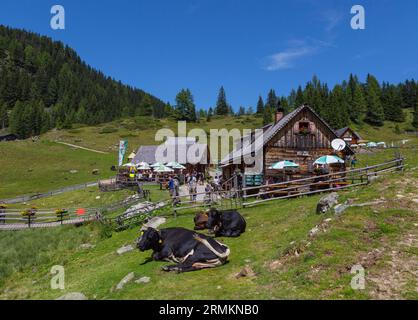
[171,187]
[192,187]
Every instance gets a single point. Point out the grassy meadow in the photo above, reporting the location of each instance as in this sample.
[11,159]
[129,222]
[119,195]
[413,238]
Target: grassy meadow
[288,263]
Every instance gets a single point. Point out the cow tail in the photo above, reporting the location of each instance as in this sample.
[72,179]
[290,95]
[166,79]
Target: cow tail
[209,246]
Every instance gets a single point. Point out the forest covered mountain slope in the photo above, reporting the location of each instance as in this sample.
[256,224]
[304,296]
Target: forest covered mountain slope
[45,84]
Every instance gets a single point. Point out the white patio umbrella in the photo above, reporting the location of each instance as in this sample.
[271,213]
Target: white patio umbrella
[175,165]
[143,166]
[372,145]
[162,169]
[157,164]
[328,160]
[284,165]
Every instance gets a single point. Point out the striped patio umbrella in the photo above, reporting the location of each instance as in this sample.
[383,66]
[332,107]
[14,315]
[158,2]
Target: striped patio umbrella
[162,169]
[143,166]
[175,165]
[157,164]
[284,165]
[328,160]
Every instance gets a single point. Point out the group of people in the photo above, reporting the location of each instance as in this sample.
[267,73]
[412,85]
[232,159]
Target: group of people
[192,181]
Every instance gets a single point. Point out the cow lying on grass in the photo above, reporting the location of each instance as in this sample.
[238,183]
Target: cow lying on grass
[227,223]
[200,221]
[189,250]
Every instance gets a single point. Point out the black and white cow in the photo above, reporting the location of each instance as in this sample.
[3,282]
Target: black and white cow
[228,223]
[189,250]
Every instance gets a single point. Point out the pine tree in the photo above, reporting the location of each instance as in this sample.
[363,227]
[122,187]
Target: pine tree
[241,111]
[222,107]
[285,104]
[210,115]
[169,111]
[299,98]
[271,102]
[337,115]
[52,94]
[267,116]
[185,107]
[375,114]
[260,105]
[146,108]
[357,101]
[392,103]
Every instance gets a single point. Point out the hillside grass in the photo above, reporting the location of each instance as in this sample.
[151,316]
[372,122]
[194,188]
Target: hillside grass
[141,131]
[288,263]
[90,197]
[28,167]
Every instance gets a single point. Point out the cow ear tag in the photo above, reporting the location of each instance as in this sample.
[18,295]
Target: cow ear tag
[160,241]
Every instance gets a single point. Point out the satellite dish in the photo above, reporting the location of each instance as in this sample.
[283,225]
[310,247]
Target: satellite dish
[338,144]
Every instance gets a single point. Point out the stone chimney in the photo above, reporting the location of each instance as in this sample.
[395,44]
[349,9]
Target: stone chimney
[279,113]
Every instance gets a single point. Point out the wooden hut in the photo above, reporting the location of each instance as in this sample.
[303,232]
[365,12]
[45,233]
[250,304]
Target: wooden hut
[301,136]
[348,135]
[181,147]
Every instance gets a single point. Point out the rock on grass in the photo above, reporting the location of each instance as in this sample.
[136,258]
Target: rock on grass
[124,249]
[128,278]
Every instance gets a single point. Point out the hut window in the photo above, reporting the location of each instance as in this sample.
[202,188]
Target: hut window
[304,127]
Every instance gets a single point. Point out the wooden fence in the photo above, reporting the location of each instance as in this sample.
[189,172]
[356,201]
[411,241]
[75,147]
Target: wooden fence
[251,196]
[318,184]
[35,196]
[17,219]
[13,219]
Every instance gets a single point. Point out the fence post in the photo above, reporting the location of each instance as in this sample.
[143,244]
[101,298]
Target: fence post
[29,217]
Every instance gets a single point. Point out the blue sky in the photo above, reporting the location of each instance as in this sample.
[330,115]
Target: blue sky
[247,46]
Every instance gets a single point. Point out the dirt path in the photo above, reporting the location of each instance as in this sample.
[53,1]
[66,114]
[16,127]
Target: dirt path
[80,147]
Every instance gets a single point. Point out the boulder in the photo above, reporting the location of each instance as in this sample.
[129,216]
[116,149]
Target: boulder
[125,249]
[340,208]
[87,246]
[327,202]
[128,278]
[154,223]
[143,280]
[73,296]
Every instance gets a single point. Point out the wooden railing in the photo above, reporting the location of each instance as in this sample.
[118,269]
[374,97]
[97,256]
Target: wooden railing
[13,219]
[317,184]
